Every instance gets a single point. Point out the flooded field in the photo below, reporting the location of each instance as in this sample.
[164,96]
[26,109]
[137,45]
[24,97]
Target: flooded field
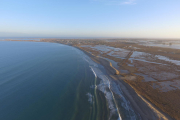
[173,44]
[163,71]
[150,67]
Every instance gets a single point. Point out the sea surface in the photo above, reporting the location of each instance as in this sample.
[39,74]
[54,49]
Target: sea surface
[50,81]
[12,38]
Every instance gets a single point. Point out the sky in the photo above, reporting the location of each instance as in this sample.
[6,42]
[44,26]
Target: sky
[90,18]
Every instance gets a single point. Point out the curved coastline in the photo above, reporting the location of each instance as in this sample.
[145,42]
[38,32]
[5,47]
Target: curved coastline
[142,106]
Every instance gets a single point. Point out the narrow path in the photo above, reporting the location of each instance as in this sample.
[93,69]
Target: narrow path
[127,57]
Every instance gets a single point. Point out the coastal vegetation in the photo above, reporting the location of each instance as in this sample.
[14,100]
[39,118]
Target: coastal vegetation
[146,73]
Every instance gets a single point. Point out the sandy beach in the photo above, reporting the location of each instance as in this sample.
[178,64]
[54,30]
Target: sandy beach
[137,88]
[143,107]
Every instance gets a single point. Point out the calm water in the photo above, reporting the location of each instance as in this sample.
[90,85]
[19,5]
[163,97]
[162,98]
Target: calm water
[11,38]
[49,81]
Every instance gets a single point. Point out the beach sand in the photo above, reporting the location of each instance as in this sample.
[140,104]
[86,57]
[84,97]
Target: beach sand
[131,89]
[141,106]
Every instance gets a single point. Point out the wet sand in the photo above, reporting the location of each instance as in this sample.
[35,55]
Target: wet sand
[141,106]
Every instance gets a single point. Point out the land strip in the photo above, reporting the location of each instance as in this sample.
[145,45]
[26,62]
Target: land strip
[150,72]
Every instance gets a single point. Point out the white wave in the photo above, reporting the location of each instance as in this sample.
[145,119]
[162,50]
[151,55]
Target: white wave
[126,104]
[115,102]
[107,87]
[90,97]
[91,63]
[104,87]
[93,72]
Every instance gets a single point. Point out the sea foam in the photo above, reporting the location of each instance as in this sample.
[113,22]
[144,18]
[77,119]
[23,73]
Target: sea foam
[109,88]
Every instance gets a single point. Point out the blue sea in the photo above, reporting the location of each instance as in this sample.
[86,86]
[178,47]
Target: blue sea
[51,81]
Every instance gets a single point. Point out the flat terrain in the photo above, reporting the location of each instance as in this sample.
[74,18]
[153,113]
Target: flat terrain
[150,67]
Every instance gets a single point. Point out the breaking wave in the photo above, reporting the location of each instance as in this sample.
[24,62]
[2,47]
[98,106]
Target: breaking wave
[110,88]
[90,97]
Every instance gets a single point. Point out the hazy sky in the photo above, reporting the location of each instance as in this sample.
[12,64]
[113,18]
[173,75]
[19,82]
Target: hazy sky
[90,18]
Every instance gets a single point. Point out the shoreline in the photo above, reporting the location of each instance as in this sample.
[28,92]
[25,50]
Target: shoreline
[146,109]
[141,106]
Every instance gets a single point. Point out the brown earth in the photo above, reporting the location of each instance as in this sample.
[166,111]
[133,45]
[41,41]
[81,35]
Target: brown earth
[167,101]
